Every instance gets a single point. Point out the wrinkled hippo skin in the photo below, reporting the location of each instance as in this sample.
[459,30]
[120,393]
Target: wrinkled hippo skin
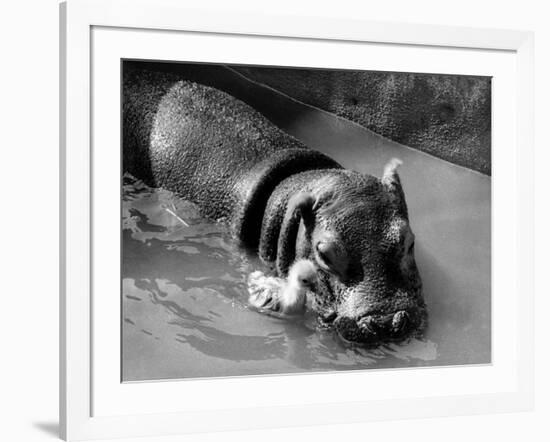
[448,116]
[282,199]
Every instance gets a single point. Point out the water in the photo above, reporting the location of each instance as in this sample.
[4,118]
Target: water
[184,297]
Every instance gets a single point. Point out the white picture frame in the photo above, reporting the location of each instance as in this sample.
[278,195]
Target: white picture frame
[90,411]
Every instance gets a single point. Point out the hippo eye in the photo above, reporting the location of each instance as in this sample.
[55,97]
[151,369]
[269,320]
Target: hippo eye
[333,259]
[324,256]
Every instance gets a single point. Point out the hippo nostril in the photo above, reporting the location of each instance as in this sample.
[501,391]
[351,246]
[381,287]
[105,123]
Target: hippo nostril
[375,328]
[347,329]
[328,316]
[400,321]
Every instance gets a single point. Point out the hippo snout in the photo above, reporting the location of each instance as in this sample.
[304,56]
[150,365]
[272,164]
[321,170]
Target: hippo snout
[374,329]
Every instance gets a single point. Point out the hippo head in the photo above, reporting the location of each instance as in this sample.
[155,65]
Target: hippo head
[356,229]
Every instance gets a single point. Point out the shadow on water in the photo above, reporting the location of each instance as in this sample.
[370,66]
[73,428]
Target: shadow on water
[219,344]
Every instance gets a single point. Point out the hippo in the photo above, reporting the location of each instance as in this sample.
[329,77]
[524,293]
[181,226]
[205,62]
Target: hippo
[281,200]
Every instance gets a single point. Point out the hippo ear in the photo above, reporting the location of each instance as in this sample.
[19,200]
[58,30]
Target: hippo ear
[392,182]
[390,178]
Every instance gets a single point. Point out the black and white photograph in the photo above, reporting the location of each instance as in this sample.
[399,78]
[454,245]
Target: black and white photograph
[280,220]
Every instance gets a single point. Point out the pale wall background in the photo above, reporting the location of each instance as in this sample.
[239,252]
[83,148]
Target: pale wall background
[29,222]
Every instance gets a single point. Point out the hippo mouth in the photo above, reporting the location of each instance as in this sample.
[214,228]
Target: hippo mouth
[375,329]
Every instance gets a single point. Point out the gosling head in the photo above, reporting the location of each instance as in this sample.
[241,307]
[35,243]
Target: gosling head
[303,274]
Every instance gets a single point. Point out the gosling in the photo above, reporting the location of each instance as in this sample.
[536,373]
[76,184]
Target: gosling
[288,297]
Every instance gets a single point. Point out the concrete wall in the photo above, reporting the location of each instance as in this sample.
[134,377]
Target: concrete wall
[446,116]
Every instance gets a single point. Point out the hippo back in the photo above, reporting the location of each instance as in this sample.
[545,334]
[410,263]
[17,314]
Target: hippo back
[208,147]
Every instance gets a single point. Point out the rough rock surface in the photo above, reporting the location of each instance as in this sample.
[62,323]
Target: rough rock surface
[444,115]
